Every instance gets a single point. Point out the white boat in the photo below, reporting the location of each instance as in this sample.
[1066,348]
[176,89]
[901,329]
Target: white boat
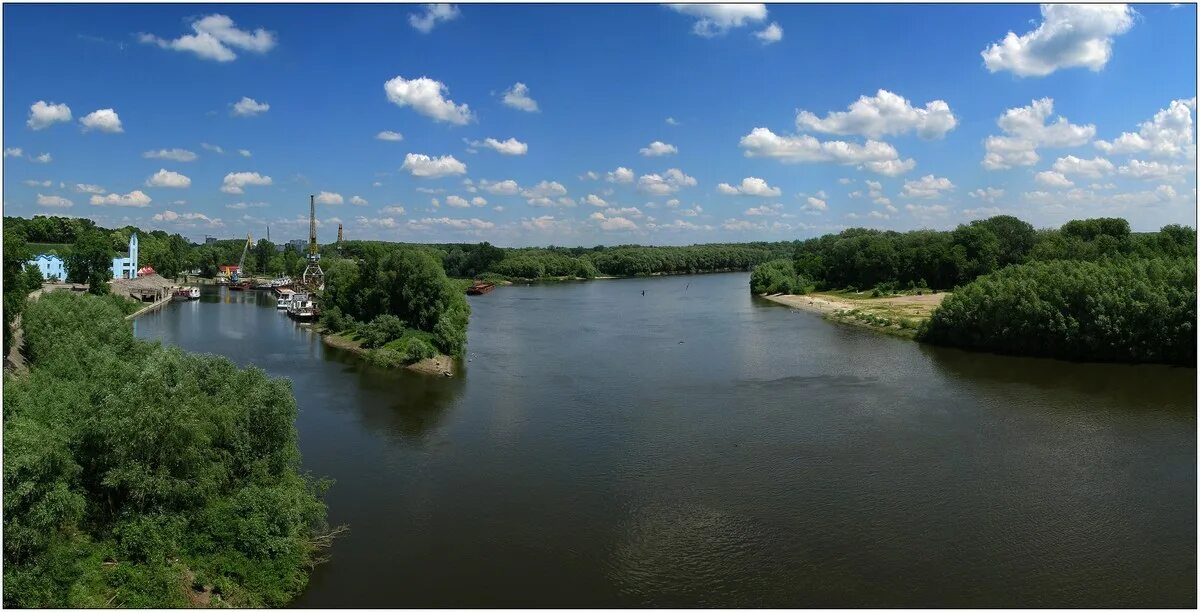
[193,293]
[285,298]
[303,309]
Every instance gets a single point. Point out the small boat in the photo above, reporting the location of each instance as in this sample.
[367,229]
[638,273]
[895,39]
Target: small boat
[242,286]
[284,299]
[303,310]
[193,293]
[180,295]
[480,288]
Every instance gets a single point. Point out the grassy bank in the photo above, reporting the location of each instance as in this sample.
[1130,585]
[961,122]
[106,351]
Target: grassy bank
[391,354]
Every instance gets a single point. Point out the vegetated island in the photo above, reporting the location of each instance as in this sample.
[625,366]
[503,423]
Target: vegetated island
[1091,290]
[138,475]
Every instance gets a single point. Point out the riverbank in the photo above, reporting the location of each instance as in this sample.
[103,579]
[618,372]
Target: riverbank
[899,315]
[438,365]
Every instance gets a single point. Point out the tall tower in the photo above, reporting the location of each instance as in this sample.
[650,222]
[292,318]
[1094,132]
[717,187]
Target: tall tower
[339,242]
[314,277]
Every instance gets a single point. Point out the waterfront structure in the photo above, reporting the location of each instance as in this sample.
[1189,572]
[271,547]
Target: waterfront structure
[50,265]
[127,266]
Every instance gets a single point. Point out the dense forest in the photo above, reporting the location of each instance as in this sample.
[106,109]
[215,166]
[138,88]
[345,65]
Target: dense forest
[137,475]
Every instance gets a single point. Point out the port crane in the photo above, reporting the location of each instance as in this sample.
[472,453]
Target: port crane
[237,274]
[313,278]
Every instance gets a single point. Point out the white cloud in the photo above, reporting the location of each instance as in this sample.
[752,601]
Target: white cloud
[43,114]
[245,205]
[512,146]
[547,194]
[672,121]
[766,210]
[1153,170]
[214,35]
[179,155]
[44,158]
[1025,130]
[432,15]
[771,34]
[389,136]
[135,199]
[927,186]
[166,178]
[454,224]
[620,175]
[430,190]
[613,224]
[103,120]
[86,188]
[751,186]
[517,97]
[380,222]
[1091,168]
[35,183]
[1070,36]
[478,201]
[594,200]
[392,210]
[1167,134]
[244,153]
[53,201]
[358,201]
[457,202]
[235,181]
[505,187]
[212,147]
[885,114]
[627,211]
[658,149]
[815,204]
[426,96]
[425,166]
[1051,178]
[876,156]
[249,107]
[716,19]
[14,152]
[327,197]
[171,216]
[669,182]
[988,194]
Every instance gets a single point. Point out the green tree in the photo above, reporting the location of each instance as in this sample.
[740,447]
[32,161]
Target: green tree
[90,261]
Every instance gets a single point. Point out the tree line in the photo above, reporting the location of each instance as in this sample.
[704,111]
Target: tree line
[137,475]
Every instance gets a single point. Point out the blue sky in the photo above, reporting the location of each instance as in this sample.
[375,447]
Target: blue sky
[815,118]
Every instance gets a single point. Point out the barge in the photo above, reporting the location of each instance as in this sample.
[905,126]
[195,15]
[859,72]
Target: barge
[480,288]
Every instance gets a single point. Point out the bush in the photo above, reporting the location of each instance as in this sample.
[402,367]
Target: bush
[777,276]
[381,330]
[1130,310]
[334,320]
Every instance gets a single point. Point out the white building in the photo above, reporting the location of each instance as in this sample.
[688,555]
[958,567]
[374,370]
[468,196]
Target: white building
[127,267]
[50,265]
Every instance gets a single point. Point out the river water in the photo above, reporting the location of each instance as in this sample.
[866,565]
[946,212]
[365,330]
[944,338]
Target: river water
[697,446]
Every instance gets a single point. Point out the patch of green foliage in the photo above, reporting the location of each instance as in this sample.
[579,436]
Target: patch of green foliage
[1115,309]
[138,475]
[777,276]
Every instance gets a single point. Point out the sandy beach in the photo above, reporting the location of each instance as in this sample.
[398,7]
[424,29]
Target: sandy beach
[899,314]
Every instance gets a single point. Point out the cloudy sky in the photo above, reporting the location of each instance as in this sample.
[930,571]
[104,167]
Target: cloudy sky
[544,124]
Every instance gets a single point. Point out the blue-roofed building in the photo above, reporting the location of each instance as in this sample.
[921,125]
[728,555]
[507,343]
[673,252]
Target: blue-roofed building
[50,265]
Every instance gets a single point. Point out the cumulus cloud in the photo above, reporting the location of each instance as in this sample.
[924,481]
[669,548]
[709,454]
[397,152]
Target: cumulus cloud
[1025,129]
[427,97]
[43,115]
[1154,170]
[86,188]
[716,19]
[478,201]
[613,224]
[1167,134]
[620,175]
[179,155]
[431,15]
[44,158]
[53,201]
[215,38]
[512,146]
[927,186]
[454,224]
[815,204]
[249,107]
[328,197]
[987,194]
[1070,36]
[879,157]
[770,34]
[424,166]
[103,120]
[35,183]
[244,153]
[212,147]
[594,200]
[1051,178]
[389,136]
[505,187]
[669,182]
[14,152]
[245,205]
[392,210]
[547,194]
[658,149]
[171,216]
[457,202]
[358,201]
[135,199]
[1091,168]
[235,181]
[884,114]
[517,97]
[672,121]
[750,186]
[766,210]
[166,178]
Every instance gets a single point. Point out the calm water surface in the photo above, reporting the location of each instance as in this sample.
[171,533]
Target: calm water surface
[698,446]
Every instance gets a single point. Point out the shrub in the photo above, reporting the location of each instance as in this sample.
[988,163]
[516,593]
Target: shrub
[381,330]
[777,276]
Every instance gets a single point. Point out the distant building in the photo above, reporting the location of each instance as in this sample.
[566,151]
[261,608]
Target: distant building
[210,239]
[50,265]
[299,244]
[127,266]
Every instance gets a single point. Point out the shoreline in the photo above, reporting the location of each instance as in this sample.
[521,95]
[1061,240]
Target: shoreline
[896,315]
[438,365]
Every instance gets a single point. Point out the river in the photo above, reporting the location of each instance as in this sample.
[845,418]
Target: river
[697,446]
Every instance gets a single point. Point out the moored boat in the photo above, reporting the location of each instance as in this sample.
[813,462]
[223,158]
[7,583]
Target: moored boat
[180,295]
[480,288]
[303,309]
[284,298]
